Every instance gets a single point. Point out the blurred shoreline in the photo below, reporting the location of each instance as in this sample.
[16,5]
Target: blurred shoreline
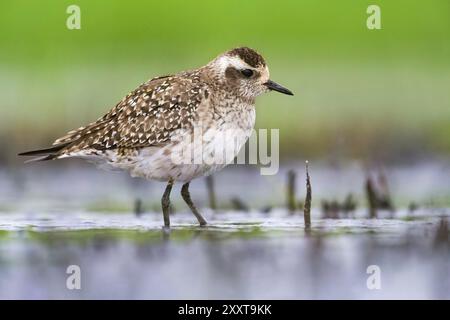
[75,185]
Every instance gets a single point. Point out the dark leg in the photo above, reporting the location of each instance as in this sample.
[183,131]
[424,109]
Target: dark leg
[165,202]
[187,198]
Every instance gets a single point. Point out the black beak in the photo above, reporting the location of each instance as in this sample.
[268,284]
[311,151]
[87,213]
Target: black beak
[276,87]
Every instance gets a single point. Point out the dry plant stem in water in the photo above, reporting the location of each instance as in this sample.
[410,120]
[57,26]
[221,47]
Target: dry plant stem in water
[307,206]
[291,203]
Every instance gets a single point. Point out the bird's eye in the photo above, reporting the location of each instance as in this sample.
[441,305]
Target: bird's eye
[247,73]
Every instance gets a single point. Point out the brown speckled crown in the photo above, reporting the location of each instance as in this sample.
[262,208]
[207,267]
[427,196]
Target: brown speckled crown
[250,56]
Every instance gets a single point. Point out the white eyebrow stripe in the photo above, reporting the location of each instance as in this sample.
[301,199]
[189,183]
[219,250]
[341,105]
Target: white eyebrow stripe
[226,61]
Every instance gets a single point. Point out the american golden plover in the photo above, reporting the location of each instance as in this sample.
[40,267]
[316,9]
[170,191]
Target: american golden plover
[141,133]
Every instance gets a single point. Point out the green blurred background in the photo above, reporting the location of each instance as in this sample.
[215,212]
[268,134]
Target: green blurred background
[359,93]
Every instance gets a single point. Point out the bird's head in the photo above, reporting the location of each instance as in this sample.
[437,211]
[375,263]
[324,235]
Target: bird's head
[244,71]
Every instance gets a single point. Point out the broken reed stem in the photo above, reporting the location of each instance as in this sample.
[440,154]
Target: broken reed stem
[138,210]
[291,204]
[371,198]
[307,206]
[211,192]
[239,205]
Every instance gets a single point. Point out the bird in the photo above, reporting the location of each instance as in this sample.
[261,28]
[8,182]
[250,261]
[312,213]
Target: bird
[164,128]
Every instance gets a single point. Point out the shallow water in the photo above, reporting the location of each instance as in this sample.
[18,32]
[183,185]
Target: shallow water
[238,256]
[52,217]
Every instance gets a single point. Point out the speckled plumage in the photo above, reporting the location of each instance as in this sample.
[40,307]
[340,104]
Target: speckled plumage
[138,134]
[143,132]
[145,117]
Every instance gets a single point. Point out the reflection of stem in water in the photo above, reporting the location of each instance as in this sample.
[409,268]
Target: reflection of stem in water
[307,206]
[441,238]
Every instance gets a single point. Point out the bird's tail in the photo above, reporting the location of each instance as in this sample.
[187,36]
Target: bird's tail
[44,154]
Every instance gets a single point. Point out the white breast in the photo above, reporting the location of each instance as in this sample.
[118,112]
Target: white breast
[199,152]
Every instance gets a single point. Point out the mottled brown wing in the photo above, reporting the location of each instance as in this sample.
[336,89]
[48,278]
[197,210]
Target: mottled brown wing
[145,117]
